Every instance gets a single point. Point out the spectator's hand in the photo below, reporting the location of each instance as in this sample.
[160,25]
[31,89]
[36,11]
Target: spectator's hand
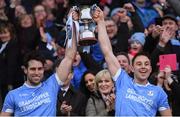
[166,85]
[167,71]
[166,35]
[124,19]
[168,79]
[123,15]
[110,101]
[156,31]
[40,22]
[98,15]
[43,35]
[129,7]
[65,109]
[160,78]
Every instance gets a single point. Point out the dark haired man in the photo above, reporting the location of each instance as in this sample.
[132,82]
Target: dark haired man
[134,97]
[37,98]
[124,61]
[169,44]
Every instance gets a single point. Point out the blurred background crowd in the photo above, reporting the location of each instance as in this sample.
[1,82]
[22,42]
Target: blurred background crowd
[133,26]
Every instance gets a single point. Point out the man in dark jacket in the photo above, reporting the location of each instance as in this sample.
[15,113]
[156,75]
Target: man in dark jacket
[70,102]
[169,44]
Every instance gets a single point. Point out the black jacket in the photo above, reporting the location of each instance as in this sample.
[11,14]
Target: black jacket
[76,99]
[9,63]
[175,87]
[168,49]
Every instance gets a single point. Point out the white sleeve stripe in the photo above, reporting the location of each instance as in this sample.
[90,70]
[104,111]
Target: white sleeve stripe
[9,110]
[117,74]
[58,80]
[162,108]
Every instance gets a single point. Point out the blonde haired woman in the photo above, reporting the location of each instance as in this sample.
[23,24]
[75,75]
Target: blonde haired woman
[101,103]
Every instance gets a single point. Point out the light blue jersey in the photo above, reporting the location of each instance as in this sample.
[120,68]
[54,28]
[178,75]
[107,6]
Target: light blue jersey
[133,99]
[34,101]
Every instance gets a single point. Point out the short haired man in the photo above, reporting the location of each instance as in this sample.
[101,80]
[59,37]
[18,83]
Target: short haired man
[168,44]
[124,61]
[36,98]
[134,97]
[70,102]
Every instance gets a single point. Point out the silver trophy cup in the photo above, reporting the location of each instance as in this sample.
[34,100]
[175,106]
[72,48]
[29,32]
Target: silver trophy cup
[87,26]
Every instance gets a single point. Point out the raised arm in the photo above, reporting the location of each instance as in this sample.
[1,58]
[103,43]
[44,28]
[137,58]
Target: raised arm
[66,64]
[112,62]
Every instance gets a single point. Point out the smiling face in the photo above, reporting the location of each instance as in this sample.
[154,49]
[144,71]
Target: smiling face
[105,84]
[40,13]
[136,46]
[111,28]
[123,61]
[142,69]
[34,72]
[5,35]
[26,21]
[90,82]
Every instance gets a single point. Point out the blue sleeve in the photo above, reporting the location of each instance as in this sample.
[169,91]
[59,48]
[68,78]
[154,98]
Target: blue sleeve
[54,83]
[8,105]
[163,100]
[121,79]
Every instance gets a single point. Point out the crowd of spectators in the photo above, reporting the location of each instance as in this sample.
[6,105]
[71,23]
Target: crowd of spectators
[91,86]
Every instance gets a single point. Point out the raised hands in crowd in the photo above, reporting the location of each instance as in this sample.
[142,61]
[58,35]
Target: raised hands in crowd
[109,78]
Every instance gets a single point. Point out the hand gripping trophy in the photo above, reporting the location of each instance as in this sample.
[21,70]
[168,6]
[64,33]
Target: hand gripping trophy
[87,25]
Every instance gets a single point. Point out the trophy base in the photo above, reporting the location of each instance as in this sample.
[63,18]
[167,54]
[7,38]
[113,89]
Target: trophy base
[87,41]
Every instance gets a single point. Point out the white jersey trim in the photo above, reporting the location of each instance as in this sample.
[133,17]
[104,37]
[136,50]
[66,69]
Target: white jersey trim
[9,111]
[30,86]
[162,108]
[117,74]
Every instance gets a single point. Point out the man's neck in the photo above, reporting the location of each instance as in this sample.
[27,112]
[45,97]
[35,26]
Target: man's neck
[140,82]
[32,86]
